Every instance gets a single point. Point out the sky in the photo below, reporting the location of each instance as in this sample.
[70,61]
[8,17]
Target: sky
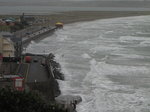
[75,3]
[65,0]
[19,6]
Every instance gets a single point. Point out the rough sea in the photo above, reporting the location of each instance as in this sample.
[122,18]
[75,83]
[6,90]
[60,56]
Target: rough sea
[106,62]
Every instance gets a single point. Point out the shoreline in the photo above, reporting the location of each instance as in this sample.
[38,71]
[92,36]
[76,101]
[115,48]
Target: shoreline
[79,16]
[73,17]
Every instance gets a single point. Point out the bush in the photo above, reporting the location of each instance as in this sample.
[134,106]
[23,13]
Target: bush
[15,101]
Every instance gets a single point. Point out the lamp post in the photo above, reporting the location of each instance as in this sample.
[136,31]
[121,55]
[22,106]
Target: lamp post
[10,64]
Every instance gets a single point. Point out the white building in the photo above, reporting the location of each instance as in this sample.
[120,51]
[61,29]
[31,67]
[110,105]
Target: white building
[6,47]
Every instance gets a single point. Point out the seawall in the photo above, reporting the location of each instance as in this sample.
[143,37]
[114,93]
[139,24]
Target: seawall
[38,36]
[50,88]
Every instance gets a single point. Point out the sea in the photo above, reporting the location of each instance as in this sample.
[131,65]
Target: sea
[106,62]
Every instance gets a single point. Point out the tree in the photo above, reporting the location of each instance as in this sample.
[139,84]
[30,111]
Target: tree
[16,101]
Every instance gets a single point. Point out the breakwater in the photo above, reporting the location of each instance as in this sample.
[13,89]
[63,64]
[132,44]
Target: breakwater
[38,35]
[54,68]
[51,67]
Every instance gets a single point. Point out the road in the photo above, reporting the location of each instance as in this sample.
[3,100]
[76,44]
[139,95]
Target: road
[34,71]
[37,72]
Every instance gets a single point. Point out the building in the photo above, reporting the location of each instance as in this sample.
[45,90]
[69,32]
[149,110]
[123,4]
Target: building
[7,21]
[27,20]
[6,47]
[17,41]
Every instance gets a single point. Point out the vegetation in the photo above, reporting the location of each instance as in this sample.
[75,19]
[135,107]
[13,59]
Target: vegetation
[4,28]
[15,101]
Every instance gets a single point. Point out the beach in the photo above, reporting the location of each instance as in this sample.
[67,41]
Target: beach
[78,16]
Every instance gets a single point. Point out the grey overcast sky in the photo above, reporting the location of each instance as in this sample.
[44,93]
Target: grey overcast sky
[78,3]
[66,0]
[46,6]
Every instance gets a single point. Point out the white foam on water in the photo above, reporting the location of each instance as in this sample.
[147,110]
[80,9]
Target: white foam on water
[84,42]
[107,48]
[133,38]
[131,56]
[103,95]
[99,94]
[32,48]
[109,32]
[62,38]
[142,33]
[86,56]
[84,50]
[145,43]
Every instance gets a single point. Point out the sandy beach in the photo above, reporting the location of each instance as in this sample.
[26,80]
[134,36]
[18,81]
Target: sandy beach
[77,16]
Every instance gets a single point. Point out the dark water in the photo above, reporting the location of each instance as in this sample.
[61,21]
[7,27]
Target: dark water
[51,6]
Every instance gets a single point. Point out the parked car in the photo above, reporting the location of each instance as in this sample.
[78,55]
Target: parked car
[35,60]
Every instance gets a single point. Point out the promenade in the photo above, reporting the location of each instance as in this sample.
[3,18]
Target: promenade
[33,33]
[38,78]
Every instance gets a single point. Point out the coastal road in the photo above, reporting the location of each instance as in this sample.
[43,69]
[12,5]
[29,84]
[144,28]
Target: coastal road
[37,72]
[37,79]
[34,71]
